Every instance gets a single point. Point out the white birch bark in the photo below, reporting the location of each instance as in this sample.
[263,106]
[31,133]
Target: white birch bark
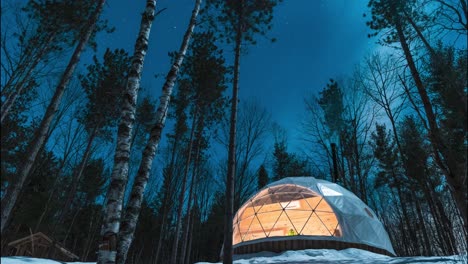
[136,197]
[41,133]
[113,209]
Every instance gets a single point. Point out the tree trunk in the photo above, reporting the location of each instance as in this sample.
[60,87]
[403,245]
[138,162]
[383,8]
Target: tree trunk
[188,217]
[64,241]
[164,215]
[406,220]
[11,97]
[231,166]
[426,243]
[66,154]
[438,224]
[446,223]
[175,245]
[26,59]
[335,165]
[450,170]
[342,163]
[406,249]
[89,237]
[165,207]
[352,182]
[420,35]
[113,209]
[76,178]
[141,179]
[189,243]
[40,134]
[51,195]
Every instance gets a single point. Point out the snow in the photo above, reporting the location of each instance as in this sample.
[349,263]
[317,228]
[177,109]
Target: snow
[347,256]
[316,256]
[28,260]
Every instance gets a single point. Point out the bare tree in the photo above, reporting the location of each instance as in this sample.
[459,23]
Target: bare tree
[254,123]
[41,133]
[379,78]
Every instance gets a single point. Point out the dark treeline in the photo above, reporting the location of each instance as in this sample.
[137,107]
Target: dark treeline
[78,141]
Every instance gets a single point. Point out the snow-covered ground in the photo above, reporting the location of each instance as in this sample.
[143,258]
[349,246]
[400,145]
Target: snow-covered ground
[27,260]
[347,256]
[316,256]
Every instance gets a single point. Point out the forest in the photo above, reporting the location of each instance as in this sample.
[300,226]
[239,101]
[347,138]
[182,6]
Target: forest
[117,171]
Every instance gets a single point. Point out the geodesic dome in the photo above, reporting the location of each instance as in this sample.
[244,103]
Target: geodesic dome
[304,212]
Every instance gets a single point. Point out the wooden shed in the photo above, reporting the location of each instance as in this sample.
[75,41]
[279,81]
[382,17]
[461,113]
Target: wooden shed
[39,245]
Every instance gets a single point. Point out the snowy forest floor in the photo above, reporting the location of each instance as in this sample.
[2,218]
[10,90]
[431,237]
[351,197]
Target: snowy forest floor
[316,256]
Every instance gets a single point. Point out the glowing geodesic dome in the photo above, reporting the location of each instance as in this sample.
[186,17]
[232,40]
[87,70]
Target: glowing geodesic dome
[304,212]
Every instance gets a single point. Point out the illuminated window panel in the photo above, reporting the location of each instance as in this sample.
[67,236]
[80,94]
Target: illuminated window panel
[285,210]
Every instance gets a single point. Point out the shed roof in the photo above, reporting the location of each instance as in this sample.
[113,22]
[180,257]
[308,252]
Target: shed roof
[40,235]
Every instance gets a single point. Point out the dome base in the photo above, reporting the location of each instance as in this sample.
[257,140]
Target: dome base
[300,244]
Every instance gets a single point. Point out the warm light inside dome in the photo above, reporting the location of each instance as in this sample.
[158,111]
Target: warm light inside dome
[285,210]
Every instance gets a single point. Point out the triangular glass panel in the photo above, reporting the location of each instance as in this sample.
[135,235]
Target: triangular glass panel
[244,227]
[255,231]
[248,211]
[308,195]
[315,227]
[313,202]
[337,231]
[236,235]
[283,227]
[269,207]
[298,218]
[268,220]
[299,204]
[282,188]
[285,204]
[323,206]
[328,191]
[258,199]
[263,203]
[329,220]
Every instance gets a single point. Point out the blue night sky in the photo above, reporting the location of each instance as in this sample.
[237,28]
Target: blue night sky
[316,40]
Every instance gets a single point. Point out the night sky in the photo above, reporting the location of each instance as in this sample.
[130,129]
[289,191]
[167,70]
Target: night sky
[316,40]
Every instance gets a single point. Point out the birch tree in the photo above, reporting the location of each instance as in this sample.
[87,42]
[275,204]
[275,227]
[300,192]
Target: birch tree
[136,197]
[41,132]
[113,208]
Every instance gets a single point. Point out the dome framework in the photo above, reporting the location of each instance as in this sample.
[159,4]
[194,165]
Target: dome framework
[304,212]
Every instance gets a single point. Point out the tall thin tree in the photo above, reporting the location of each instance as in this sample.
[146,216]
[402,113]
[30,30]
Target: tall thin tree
[103,85]
[138,189]
[55,26]
[239,21]
[41,133]
[390,15]
[113,209]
